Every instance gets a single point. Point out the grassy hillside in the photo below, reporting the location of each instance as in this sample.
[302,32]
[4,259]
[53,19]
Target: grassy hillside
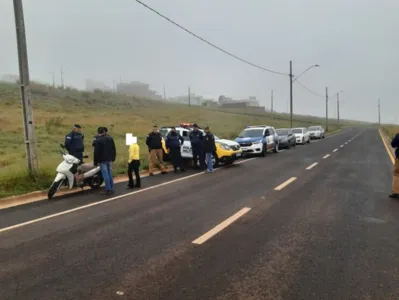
[56,110]
[390,130]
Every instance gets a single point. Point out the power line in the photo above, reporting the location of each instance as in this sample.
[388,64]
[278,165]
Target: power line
[309,90]
[209,43]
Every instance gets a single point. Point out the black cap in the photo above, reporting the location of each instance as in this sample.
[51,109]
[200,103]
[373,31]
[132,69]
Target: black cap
[195,125]
[77,126]
[100,130]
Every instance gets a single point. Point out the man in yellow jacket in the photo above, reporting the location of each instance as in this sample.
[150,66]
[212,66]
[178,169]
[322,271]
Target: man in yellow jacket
[134,164]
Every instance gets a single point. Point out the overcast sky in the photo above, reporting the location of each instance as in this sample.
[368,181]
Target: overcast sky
[355,43]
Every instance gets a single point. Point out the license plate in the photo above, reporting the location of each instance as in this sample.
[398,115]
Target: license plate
[244,149]
[238,154]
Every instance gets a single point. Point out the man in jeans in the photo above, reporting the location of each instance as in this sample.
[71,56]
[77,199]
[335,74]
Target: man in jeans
[395,183]
[209,149]
[105,155]
[154,143]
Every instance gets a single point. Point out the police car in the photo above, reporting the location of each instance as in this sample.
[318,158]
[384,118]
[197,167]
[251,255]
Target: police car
[258,140]
[227,151]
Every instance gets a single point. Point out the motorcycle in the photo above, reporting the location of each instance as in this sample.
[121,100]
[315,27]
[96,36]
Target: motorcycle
[67,170]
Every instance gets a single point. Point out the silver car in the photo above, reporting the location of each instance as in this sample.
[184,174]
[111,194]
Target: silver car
[316,132]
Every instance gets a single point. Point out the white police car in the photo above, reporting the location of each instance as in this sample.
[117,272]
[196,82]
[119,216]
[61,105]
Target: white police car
[258,140]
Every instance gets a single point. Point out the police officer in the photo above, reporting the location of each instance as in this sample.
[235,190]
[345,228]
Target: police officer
[395,183]
[174,141]
[197,146]
[74,142]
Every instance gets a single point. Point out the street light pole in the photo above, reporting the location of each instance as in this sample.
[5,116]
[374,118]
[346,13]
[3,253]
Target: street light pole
[291,97]
[27,110]
[338,110]
[326,108]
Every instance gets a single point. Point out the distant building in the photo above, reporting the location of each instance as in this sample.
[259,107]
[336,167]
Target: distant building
[92,85]
[137,89]
[193,100]
[10,78]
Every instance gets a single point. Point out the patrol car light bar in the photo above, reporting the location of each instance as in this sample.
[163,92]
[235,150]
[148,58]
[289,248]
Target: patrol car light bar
[253,126]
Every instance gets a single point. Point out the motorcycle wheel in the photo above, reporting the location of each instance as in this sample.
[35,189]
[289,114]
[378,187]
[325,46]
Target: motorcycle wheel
[54,188]
[95,182]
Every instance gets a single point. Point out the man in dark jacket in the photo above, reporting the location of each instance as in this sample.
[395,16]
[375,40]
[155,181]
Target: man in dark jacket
[174,141]
[395,183]
[209,149]
[154,143]
[95,137]
[105,155]
[74,142]
[197,147]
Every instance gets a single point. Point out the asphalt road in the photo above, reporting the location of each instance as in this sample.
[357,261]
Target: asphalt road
[329,232]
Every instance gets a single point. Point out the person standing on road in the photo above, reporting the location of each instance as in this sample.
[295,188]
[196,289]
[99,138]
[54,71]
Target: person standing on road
[209,149]
[197,146]
[174,142]
[395,183]
[134,164]
[154,143]
[74,142]
[105,155]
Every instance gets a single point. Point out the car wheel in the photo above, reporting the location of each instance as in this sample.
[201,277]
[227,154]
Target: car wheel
[288,145]
[308,141]
[294,144]
[275,150]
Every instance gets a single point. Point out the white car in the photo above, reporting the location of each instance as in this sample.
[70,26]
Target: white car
[302,135]
[316,132]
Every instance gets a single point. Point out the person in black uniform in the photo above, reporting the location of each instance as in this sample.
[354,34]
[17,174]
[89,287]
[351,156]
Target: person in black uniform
[197,146]
[395,183]
[174,141]
[74,142]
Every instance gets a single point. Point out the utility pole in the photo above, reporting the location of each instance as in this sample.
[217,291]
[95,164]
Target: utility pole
[379,112]
[189,96]
[52,73]
[271,106]
[27,111]
[113,85]
[339,125]
[326,108]
[164,93]
[291,100]
[62,78]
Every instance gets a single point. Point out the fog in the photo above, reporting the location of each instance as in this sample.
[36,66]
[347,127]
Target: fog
[355,43]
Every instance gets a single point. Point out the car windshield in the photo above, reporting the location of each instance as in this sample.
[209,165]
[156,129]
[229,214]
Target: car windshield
[313,128]
[282,132]
[251,133]
[297,130]
[164,131]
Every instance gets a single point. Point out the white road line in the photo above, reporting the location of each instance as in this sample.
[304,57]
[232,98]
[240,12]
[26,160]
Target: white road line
[335,150]
[342,146]
[215,230]
[312,166]
[326,156]
[283,185]
[108,200]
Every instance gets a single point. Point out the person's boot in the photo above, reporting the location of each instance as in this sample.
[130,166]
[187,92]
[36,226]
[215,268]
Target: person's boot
[129,186]
[394,195]
[137,185]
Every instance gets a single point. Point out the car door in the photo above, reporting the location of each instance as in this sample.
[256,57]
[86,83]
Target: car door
[274,136]
[306,134]
[269,138]
[186,151]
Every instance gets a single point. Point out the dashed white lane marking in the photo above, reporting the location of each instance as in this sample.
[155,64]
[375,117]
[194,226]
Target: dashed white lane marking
[215,230]
[108,200]
[342,146]
[335,150]
[326,156]
[284,184]
[312,166]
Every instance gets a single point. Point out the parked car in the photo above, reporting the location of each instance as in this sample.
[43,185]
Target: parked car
[258,140]
[286,138]
[302,135]
[227,151]
[316,132]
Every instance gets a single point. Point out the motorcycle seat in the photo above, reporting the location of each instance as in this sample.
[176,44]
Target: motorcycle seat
[83,168]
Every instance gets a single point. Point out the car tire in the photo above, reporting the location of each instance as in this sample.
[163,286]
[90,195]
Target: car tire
[309,141]
[276,150]
[288,145]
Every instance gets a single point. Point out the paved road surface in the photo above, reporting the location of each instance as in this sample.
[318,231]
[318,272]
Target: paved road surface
[328,233]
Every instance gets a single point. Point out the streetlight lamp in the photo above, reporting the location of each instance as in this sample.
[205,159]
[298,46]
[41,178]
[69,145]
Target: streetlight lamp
[291,82]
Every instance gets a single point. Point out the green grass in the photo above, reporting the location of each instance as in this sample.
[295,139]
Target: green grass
[390,130]
[55,111]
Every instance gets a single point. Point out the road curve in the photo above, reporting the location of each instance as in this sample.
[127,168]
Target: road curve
[306,223]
